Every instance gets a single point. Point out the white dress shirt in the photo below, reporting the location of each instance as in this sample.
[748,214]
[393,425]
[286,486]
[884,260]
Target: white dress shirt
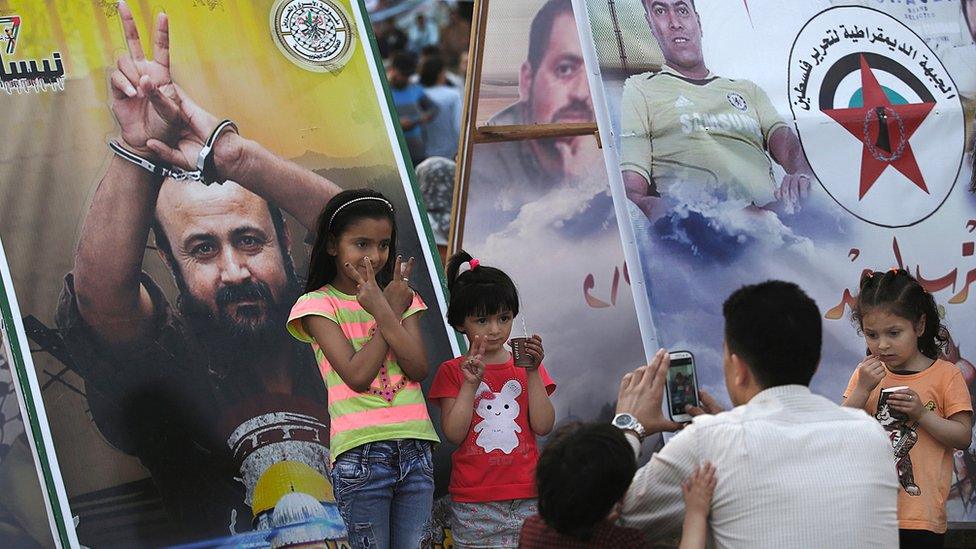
[794,470]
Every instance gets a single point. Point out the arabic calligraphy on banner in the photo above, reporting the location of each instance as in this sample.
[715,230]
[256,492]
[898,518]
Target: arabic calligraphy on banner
[25,76]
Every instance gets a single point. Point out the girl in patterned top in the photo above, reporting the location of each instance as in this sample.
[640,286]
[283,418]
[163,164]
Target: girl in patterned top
[361,318]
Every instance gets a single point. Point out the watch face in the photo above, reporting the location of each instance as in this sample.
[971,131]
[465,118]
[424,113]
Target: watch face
[622,420]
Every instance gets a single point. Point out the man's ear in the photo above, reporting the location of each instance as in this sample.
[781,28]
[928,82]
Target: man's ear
[285,235]
[741,374]
[525,81]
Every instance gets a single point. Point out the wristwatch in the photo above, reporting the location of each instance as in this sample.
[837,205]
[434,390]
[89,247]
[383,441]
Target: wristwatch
[628,422]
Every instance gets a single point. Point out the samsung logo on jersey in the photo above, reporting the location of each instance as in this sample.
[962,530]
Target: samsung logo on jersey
[698,122]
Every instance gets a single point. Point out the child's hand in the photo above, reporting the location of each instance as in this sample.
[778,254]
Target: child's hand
[473,365]
[398,292]
[907,402]
[533,347]
[698,490]
[368,292]
[870,372]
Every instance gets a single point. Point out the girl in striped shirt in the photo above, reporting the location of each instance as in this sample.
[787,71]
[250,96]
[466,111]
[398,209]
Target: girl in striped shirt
[362,320]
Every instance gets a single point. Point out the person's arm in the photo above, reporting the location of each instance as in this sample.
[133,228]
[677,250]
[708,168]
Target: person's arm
[402,335]
[407,343]
[108,260]
[870,372]
[785,149]
[542,415]
[654,501]
[428,109]
[698,490]
[955,431]
[456,413]
[357,369]
[643,194]
[636,148]
[299,191]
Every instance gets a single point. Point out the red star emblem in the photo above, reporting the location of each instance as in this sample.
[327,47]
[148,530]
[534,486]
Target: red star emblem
[884,130]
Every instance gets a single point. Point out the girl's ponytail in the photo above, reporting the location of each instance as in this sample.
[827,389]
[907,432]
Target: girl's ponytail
[453,266]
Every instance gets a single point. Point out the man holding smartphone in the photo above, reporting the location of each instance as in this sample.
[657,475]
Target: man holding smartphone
[794,468]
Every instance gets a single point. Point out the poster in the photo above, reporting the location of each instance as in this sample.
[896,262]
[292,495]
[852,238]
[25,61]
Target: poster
[805,141]
[180,410]
[33,510]
[541,209]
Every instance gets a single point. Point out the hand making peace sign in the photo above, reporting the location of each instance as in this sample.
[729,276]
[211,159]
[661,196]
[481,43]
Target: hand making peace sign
[368,292]
[144,99]
[473,365]
[157,118]
[398,292]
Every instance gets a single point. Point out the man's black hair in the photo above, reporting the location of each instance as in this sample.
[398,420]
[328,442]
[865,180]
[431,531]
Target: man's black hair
[583,472]
[541,30]
[404,63]
[430,70]
[776,329]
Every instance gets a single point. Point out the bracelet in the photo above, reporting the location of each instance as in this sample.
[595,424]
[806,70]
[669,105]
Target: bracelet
[205,161]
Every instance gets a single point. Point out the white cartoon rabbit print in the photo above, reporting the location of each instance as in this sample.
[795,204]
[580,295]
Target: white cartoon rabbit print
[498,429]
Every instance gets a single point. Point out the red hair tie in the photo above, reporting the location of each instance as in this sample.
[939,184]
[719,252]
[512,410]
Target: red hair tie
[469,265]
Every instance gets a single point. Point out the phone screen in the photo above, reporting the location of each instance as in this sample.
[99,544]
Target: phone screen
[681,385]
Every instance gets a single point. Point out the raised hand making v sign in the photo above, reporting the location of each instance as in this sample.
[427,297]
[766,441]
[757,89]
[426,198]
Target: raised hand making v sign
[456,413]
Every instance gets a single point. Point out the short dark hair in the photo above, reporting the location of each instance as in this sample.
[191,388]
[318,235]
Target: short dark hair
[481,291]
[776,329]
[430,70]
[583,472]
[541,30]
[404,63]
[896,291]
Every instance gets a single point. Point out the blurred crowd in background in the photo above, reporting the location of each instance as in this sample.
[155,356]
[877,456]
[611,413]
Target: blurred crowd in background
[424,46]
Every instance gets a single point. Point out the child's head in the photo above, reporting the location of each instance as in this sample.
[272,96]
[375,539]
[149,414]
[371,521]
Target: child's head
[484,300]
[354,225]
[583,472]
[897,317]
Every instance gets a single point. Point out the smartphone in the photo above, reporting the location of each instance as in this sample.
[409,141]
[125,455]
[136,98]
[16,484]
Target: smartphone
[682,387]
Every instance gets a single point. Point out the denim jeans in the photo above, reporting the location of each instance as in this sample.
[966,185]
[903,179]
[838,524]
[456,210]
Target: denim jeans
[385,492]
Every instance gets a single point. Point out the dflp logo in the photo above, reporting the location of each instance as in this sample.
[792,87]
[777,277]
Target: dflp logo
[878,115]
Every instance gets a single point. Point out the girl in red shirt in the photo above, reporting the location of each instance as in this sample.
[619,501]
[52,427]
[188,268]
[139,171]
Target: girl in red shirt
[492,409]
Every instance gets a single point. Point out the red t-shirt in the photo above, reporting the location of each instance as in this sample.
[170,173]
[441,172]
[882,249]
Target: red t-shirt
[497,459]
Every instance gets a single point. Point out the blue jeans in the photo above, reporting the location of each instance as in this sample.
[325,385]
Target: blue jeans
[385,492]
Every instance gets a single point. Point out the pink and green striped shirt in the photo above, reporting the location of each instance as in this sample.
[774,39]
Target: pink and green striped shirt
[393,407]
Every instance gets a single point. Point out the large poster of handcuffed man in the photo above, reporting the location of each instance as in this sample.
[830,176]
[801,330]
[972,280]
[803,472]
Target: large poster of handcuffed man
[164,167]
[807,141]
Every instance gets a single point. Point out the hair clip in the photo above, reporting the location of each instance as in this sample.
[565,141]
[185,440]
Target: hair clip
[467,266]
